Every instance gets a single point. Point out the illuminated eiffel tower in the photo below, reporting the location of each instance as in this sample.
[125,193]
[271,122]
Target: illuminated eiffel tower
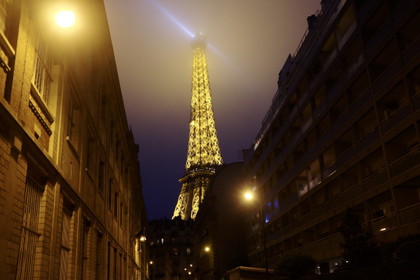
[203,146]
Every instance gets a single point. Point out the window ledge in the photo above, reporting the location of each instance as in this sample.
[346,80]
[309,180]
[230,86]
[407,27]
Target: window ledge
[37,97]
[6,46]
[39,114]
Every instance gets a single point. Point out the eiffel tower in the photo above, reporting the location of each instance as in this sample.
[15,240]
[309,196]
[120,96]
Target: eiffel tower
[203,146]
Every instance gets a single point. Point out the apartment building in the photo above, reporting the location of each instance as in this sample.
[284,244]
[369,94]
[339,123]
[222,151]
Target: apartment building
[342,132]
[71,202]
[171,248]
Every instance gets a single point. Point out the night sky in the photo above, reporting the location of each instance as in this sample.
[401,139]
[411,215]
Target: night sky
[249,43]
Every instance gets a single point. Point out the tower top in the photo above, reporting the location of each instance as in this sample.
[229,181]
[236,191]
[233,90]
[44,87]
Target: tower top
[199,41]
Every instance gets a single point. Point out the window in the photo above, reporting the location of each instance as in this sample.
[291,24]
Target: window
[115,264]
[6,17]
[108,267]
[90,154]
[117,150]
[3,14]
[121,214]
[65,241]
[126,177]
[84,250]
[42,70]
[73,121]
[110,194]
[101,178]
[122,163]
[116,205]
[99,256]
[29,233]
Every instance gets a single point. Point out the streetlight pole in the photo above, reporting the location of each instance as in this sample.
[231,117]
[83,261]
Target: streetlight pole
[250,196]
[267,276]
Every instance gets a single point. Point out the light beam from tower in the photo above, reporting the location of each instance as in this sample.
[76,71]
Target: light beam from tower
[203,145]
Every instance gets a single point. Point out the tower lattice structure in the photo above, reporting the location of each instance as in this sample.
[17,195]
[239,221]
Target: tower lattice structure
[203,145]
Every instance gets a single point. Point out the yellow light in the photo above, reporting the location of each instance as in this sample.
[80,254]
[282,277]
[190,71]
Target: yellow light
[383,229]
[207,249]
[142,238]
[248,195]
[65,19]
[151,262]
[189,272]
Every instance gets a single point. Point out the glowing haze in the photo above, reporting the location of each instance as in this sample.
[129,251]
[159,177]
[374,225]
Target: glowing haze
[248,42]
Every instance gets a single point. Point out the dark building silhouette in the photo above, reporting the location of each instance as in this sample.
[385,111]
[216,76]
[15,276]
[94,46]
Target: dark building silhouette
[221,224]
[342,132]
[71,204]
[171,249]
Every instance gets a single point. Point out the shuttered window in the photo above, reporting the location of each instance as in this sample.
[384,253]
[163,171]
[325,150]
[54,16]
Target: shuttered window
[42,71]
[29,233]
[65,243]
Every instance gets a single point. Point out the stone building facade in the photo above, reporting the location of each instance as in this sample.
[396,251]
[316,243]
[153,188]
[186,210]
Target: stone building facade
[342,132]
[71,204]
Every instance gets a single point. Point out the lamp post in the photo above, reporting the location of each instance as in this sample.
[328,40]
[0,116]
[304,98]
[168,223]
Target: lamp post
[151,269]
[250,196]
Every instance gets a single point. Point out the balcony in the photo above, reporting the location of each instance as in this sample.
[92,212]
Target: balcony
[384,31]
[334,93]
[307,125]
[401,13]
[374,180]
[360,103]
[345,157]
[410,214]
[411,52]
[395,118]
[416,102]
[387,76]
[384,223]
[366,9]
[367,140]
[347,35]
[406,163]
[319,245]
[356,65]
[334,203]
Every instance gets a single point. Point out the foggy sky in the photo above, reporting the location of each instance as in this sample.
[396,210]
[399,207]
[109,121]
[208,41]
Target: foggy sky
[152,46]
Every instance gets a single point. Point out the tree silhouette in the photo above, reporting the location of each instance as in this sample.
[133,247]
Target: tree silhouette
[360,248]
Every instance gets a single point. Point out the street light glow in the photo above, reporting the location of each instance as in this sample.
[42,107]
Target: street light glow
[207,249]
[65,19]
[248,195]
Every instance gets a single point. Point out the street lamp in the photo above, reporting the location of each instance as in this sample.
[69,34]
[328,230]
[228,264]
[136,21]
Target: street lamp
[65,18]
[206,249]
[251,196]
[248,195]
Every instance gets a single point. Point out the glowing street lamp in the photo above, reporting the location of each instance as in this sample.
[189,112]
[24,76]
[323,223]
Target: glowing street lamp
[251,196]
[65,18]
[207,249]
[248,195]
